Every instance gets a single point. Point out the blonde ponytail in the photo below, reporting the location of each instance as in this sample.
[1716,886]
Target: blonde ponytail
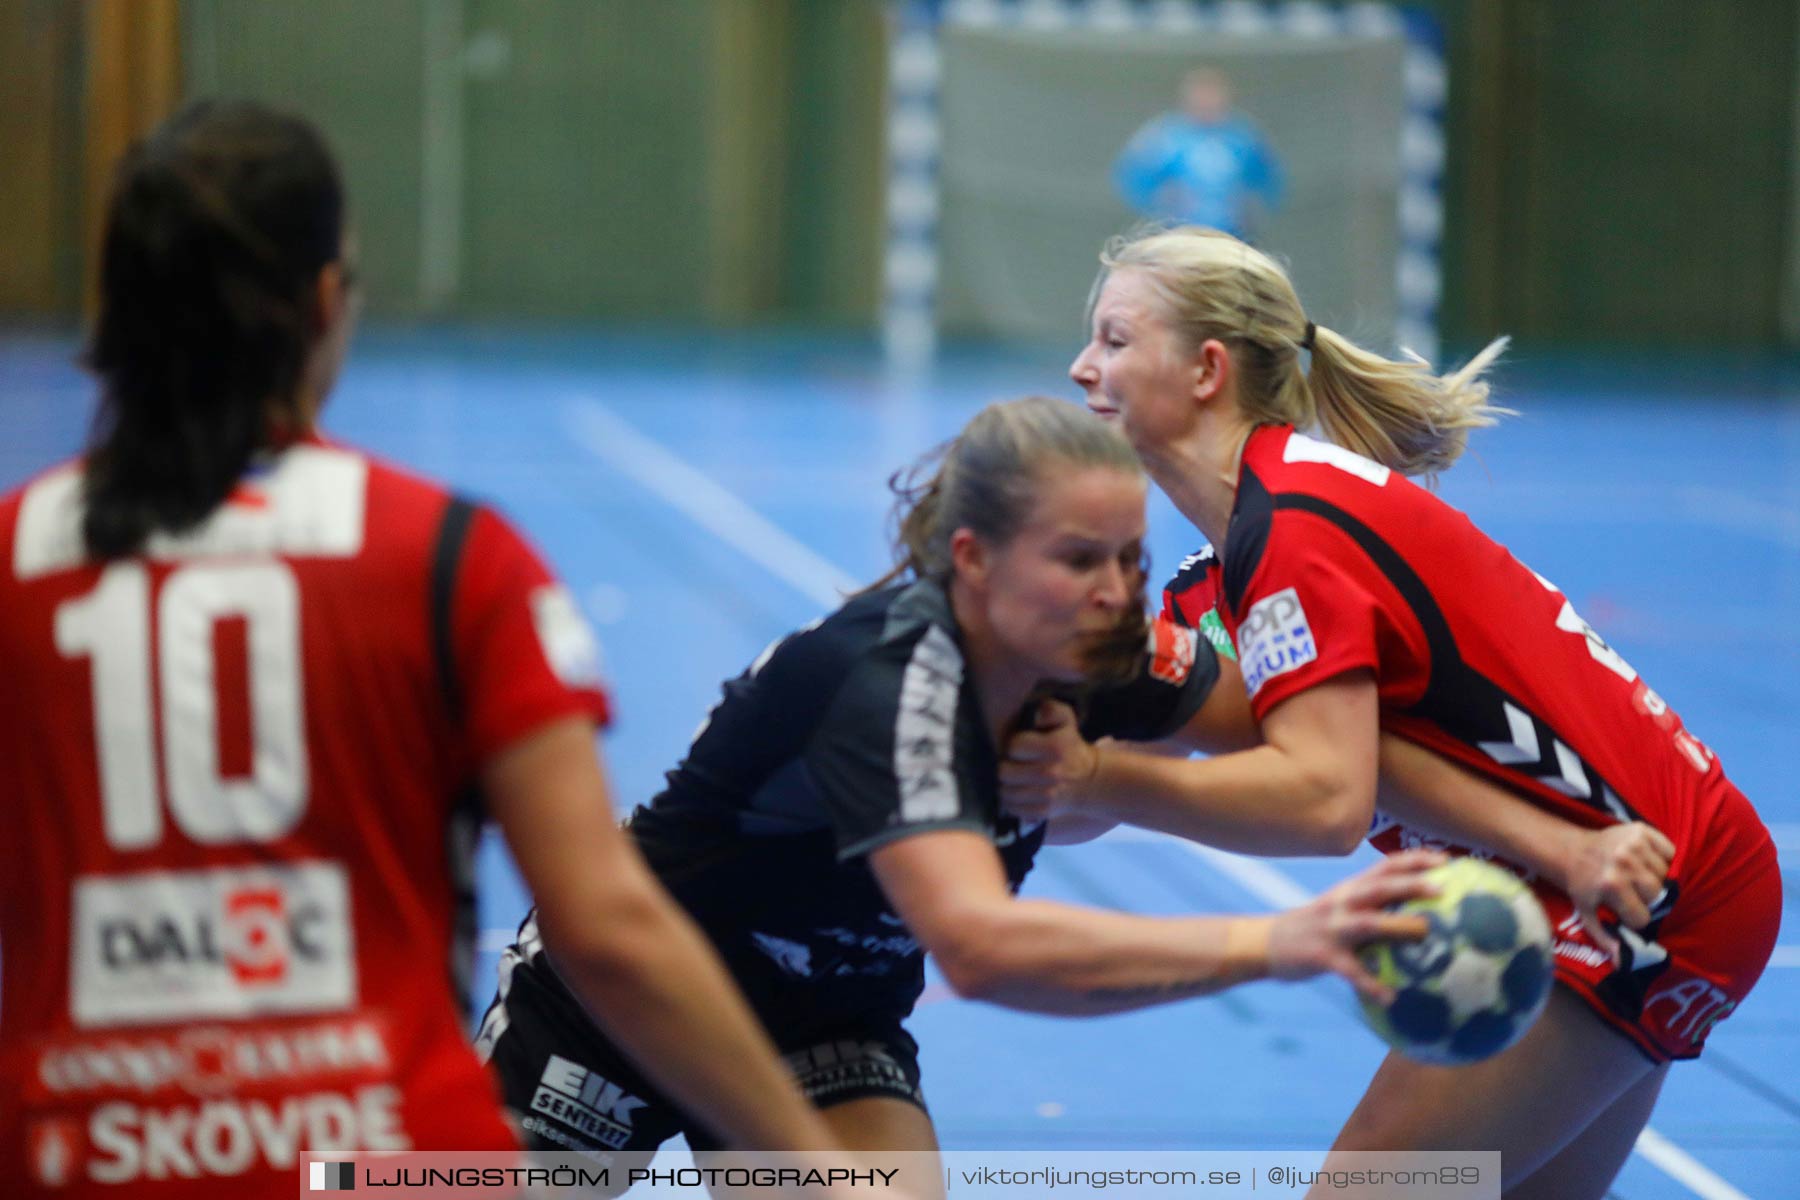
[1400,414]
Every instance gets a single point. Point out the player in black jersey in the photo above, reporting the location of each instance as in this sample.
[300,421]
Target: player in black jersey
[838,815]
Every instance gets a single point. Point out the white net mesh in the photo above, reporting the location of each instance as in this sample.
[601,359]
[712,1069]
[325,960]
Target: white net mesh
[1031,114]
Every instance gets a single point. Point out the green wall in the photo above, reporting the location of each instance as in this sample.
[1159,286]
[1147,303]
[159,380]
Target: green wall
[1621,171]
[837,165]
[352,66]
[580,138]
[586,159]
[685,159]
[40,158]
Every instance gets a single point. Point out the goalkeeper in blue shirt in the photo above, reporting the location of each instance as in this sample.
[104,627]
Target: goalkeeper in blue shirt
[1204,164]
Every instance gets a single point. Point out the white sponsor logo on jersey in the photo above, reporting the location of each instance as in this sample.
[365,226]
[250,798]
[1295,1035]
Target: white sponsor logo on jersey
[56,1148]
[569,644]
[1274,639]
[585,1101]
[1204,554]
[925,730]
[311,502]
[207,1060]
[227,942]
[223,1138]
[1581,952]
[1172,651]
[1301,448]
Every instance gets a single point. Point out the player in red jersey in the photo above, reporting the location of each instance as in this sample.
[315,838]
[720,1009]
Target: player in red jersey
[1359,604]
[253,681]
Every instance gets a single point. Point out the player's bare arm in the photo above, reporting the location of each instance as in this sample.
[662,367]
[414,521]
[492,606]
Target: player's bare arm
[1619,868]
[1053,774]
[1309,789]
[1046,957]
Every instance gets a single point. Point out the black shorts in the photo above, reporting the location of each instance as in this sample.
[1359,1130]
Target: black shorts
[571,1089]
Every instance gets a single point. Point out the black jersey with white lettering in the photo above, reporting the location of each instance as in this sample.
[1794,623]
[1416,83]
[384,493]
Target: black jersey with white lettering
[846,735]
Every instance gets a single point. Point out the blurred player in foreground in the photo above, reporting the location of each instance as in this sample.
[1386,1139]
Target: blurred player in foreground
[838,814]
[1362,604]
[254,680]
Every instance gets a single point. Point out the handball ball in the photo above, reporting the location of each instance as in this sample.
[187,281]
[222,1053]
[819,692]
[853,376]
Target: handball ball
[1477,980]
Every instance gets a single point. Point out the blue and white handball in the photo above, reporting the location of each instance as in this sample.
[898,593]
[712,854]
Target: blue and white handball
[1479,978]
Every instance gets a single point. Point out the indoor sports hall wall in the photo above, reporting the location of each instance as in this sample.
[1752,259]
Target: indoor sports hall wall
[572,158]
[1031,121]
[1620,171]
[1623,171]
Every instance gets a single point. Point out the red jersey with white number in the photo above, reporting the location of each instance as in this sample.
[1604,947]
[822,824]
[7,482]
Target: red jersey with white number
[239,868]
[1333,563]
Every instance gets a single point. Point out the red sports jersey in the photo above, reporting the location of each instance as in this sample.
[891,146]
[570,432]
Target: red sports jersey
[230,771]
[1334,563]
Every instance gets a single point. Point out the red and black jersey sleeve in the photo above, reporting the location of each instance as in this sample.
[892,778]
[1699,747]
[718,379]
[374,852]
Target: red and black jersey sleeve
[1178,675]
[1305,618]
[521,651]
[1304,601]
[1194,590]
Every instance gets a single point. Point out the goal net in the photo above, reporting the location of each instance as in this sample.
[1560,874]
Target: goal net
[1008,116]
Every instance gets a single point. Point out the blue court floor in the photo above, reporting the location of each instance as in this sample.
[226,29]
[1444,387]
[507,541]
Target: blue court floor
[704,497]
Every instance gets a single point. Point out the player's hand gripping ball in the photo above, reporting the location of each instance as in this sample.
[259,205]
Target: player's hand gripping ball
[1477,980]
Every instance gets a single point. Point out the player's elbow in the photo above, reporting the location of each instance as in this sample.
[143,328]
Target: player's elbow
[970,954]
[1073,830]
[1346,824]
[618,947]
[1342,837]
[970,980]
[1339,812]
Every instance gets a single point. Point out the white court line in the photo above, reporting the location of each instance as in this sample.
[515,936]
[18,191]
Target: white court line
[1258,876]
[685,488]
[688,490]
[1684,1168]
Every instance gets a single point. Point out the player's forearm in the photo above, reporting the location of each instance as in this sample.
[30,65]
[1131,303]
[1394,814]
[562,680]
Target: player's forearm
[1225,722]
[660,992]
[1257,801]
[1429,795]
[1040,956]
[1071,830]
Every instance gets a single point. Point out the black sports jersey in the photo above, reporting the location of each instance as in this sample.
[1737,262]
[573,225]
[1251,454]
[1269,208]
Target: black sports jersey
[853,732]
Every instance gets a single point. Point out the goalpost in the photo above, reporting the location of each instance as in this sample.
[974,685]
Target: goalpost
[1005,117]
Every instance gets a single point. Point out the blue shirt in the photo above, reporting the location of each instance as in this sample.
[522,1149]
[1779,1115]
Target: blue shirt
[1192,173]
